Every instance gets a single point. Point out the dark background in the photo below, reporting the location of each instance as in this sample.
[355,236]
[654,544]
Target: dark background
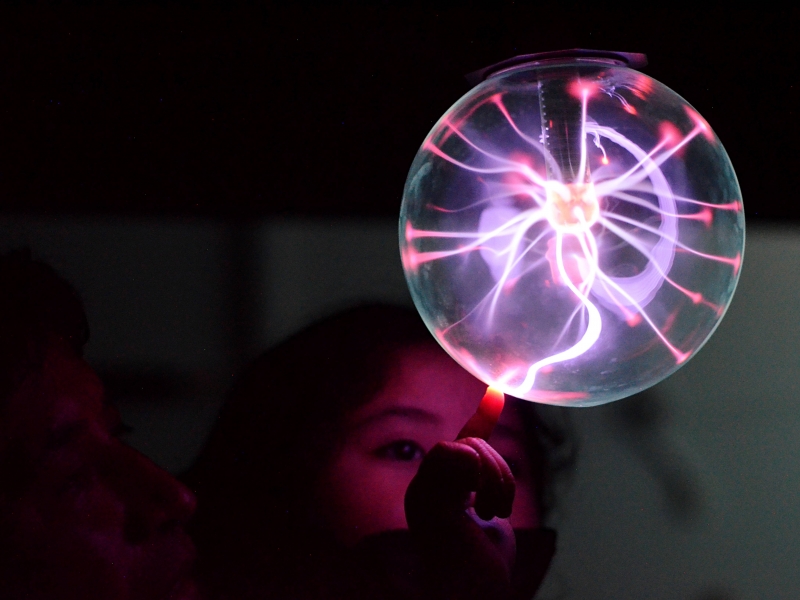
[311,109]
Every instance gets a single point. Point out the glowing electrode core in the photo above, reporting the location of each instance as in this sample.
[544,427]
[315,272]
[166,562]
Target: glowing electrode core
[571,207]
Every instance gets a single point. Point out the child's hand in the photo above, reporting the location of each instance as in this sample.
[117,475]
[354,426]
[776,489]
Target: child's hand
[457,508]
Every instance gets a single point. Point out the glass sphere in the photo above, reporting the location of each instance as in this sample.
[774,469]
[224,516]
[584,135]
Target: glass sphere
[572,231]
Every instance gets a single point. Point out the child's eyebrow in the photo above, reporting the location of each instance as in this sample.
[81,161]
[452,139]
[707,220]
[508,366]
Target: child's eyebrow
[413,413]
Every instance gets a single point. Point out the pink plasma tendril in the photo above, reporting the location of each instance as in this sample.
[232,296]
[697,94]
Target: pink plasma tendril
[570,211]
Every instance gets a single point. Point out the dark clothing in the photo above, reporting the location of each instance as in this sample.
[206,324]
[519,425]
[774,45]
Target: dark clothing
[381,567]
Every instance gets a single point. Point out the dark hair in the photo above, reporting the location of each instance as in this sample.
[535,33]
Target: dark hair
[281,421]
[35,304]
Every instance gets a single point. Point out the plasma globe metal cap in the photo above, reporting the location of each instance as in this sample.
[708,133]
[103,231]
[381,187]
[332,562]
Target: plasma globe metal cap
[571,230]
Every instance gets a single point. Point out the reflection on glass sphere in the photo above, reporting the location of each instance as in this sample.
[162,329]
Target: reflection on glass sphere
[572,231]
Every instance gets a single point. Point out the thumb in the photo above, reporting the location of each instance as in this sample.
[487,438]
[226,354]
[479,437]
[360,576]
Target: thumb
[481,424]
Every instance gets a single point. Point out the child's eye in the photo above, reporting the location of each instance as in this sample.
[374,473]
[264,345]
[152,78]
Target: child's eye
[401,450]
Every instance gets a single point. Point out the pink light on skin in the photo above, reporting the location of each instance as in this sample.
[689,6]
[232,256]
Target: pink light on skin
[573,213]
[492,404]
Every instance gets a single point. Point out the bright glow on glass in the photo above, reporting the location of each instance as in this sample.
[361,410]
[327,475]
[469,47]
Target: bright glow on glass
[572,232]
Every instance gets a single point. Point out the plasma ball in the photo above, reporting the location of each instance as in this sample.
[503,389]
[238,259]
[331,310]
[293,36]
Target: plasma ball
[571,233]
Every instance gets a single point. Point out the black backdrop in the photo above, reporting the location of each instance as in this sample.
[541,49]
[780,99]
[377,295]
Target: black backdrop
[311,109]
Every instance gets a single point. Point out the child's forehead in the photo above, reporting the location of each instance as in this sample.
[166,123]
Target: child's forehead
[429,376]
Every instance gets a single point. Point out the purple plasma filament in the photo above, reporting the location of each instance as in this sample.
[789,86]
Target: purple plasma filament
[565,213]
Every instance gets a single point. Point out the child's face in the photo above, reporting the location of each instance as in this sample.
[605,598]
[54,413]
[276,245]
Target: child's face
[427,399]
